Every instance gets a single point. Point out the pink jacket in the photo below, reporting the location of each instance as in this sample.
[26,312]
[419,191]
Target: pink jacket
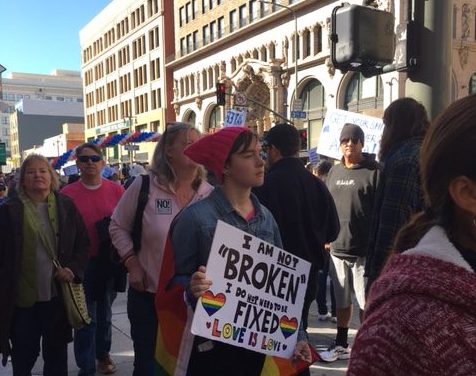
[161,209]
[420,317]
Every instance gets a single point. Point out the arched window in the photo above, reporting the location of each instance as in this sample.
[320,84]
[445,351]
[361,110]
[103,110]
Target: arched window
[233,65]
[210,78]
[192,84]
[215,118]
[205,80]
[191,118]
[263,54]
[187,86]
[306,38]
[313,103]
[363,93]
[472,84]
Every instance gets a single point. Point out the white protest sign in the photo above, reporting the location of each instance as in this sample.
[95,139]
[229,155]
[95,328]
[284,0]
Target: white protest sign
[70,170]
[235,118]
[257,294]
[329,144]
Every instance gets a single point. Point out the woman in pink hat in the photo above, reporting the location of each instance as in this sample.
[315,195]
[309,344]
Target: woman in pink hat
[233,155]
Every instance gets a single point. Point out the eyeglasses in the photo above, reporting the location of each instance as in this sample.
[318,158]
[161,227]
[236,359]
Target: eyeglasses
[87,158]
[345,141]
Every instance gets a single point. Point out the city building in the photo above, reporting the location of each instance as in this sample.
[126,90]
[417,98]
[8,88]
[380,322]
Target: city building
[72,135]
[124,50]
[35,120]
[60,86]
[277,53]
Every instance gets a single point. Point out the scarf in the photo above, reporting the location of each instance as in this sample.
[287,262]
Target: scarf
[32,231]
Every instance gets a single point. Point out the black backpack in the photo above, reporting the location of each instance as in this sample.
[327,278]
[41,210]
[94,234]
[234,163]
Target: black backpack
[141,203]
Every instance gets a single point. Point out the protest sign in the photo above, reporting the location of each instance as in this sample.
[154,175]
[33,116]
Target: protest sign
[70,170]
[235,118]
[329,144]
[257,294]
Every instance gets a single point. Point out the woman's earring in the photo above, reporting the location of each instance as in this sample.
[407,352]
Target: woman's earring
[474,221]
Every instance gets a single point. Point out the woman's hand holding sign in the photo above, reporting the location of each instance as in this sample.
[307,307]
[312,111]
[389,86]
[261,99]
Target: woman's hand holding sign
[199,282]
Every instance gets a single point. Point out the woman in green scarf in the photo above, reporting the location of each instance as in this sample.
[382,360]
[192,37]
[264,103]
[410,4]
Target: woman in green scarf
[36,227]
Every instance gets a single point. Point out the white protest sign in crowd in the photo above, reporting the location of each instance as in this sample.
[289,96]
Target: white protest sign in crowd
[235,118]
[329,143]
[257,294]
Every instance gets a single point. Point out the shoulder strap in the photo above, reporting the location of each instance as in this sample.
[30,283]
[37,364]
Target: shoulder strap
[141,203]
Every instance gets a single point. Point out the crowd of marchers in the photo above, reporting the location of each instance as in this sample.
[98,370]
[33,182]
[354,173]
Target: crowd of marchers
[393,232]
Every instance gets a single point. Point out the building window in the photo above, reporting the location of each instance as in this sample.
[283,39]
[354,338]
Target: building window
[204,80]
[215,118]
[306,39]
[317,39]
[188,12]
[204,6]
[296,47]
[195,40]
[472,84]
[154,38]
[221,27]
[155,99]
[181,16]
[243,18]
[194,9]
[363,93]
[183,49]
[212,31]
[269,7]
[206,34]
[313,100]
[191,118]
[155,69]
[263,54]
[254,10]
[233,21]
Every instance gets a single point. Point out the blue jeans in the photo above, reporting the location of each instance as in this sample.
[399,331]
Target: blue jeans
[321,298]
[94,340]
[29,327]
[141,313]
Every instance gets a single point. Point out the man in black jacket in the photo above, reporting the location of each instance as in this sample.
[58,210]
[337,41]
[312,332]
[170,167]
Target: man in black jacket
[300,202]
[352,183]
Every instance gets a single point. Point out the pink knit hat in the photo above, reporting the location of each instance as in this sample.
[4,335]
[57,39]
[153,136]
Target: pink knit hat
[212,150]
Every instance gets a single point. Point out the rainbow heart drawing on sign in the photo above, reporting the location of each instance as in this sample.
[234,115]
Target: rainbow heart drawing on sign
[288,326]
[212,303]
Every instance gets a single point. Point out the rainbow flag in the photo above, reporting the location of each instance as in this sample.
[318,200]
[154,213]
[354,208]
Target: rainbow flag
[174,339]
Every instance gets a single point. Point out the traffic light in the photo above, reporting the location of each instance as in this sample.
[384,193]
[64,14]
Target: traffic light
[362,38]
[303,138]
[221,93]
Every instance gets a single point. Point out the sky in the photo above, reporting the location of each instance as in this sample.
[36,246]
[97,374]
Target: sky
[39,36]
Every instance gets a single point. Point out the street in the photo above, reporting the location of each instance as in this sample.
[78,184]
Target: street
[322,334]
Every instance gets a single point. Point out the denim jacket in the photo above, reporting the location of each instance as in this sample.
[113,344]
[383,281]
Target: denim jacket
[194,227]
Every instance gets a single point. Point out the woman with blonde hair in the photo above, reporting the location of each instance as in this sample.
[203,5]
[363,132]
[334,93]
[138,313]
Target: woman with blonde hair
[420,317]
[175,182]
[35,227]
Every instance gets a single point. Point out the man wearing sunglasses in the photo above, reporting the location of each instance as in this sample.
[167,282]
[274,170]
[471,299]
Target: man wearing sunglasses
[95,199]
[352,184]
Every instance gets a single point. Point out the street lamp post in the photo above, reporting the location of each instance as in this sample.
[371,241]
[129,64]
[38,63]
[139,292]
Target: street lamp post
[128,121]
[390,83]
[295,40]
